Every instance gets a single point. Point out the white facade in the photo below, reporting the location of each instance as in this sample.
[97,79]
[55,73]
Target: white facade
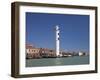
[80,53]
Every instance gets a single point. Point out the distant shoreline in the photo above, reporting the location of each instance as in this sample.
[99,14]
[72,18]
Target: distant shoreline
[56,57]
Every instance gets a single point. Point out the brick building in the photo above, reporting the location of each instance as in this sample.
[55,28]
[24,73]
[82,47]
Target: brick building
[33,52]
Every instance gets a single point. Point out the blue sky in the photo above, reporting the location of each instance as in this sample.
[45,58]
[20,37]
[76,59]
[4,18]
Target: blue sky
[74,30]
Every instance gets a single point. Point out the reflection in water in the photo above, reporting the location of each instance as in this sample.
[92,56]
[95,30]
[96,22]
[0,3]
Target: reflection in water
[58,61]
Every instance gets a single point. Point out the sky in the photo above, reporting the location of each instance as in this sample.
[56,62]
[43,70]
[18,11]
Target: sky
[74,31]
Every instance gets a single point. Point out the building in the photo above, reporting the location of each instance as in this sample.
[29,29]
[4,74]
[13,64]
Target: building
[66,54]
[81,53]
[47,53]
[32,52]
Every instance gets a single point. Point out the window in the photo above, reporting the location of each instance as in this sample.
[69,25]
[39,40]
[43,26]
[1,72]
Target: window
[58,38]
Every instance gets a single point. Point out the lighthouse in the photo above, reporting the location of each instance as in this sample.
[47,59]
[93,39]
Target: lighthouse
[57,41]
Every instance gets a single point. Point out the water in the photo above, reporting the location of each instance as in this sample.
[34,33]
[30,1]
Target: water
[76,60]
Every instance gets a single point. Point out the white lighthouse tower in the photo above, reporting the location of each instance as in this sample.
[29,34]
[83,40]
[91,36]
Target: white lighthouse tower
[57,41]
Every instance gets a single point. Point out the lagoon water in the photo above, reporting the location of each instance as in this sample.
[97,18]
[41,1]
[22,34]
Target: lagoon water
[76,60]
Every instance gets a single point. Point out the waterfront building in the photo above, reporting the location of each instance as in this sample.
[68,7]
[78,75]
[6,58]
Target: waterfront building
[81,53]
[66,54]
[32,52]
[47,53]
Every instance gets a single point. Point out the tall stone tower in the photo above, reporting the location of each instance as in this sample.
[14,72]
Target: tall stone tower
[57,41]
